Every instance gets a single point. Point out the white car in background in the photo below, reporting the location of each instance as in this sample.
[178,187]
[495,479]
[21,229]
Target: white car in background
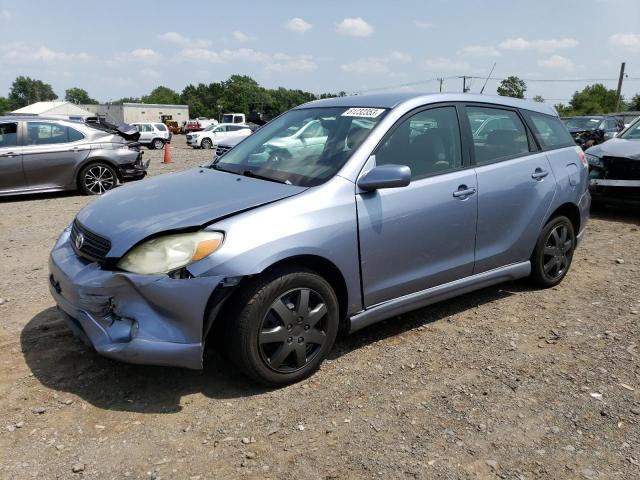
[213,134]
[153,135]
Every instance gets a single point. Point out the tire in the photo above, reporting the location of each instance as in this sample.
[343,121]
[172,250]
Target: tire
[206,143]
[97,178]
[271,336]
[553,254]
[157,144]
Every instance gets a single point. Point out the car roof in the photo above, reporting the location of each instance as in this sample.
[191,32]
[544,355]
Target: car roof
[38,118]
[396,99]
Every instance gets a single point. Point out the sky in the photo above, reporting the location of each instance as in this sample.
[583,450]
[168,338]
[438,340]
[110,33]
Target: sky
[124,49]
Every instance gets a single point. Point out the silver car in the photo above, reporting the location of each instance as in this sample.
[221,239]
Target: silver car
[40,154]
[273,254]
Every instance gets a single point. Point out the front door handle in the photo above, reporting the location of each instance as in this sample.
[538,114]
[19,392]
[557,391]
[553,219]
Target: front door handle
[8,154]
[539,174]
[464,192]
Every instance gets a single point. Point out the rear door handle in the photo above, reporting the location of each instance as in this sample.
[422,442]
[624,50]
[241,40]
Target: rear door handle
[539,174]
[464,192]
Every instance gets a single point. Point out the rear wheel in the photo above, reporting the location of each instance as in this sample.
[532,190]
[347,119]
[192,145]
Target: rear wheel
[97,178]
[282,326]
[157,144]
[553,254]
[206,143]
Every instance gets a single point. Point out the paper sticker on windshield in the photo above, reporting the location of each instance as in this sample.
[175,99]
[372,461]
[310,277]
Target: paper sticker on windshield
[363,112]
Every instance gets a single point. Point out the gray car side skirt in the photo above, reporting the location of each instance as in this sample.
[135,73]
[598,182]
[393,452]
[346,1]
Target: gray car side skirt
[436,294]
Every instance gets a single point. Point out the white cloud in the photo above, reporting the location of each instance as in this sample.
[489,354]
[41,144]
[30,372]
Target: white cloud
[298,25]
[278,62]
[422,24]
[479,51]
[557,62]
[547,46]
[376,64]
[241,37]
[446,65]
[5,15]
[355,27]
[626,40]
[145,56]
[20,52]
[179,39]
[149,73]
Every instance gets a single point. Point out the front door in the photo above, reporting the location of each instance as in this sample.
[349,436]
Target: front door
[416,237]
[11,171]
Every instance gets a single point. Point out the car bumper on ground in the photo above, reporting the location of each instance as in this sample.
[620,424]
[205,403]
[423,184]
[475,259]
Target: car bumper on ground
[143,319]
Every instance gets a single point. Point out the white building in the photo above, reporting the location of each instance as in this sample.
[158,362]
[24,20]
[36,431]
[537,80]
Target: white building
[139,112]
[53,109]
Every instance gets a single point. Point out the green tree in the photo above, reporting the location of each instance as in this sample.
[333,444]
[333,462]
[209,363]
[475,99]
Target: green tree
[162,95]
[634,104]
[538,98]
[512,87]
[593,99]
[25,91]
[120,101]
[4,105]
[78,95]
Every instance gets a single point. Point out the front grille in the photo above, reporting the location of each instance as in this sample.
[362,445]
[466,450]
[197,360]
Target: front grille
[94,247]
[617,168]
[188,137]
[222,149]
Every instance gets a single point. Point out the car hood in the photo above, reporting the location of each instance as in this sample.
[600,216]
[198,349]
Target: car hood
[617,147]
[189,199]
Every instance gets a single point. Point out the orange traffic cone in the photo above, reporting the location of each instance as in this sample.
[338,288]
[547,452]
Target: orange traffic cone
[167,154]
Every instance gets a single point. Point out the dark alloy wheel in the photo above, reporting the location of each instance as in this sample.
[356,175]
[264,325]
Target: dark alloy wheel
[206,143]
[282,325]
[97,178]
[157,144]
[554,252]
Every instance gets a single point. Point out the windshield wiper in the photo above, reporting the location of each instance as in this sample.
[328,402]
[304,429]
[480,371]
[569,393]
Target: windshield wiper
[252,174]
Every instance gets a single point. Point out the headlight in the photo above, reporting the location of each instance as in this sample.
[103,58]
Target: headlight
[170,252]
[593,160]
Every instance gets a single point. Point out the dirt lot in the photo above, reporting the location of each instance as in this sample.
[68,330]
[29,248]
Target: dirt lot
[508,382]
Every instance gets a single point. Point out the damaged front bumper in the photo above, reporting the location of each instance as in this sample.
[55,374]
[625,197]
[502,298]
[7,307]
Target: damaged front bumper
[144,319]
[616,179]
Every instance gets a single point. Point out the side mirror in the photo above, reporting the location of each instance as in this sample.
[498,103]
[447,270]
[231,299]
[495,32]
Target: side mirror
[385,176]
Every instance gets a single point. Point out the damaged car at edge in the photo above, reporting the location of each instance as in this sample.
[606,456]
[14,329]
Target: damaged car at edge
[614,168]
[401,207]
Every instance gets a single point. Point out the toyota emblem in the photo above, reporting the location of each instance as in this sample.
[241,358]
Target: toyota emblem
[79,241]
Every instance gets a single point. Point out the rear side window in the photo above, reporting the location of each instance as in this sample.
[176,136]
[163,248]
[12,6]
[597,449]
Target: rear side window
[427,142]
[497,134]
[74,135]
[40,133]
[8,134]
[161,126]
[549,131]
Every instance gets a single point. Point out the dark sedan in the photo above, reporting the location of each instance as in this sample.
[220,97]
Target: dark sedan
[40,154]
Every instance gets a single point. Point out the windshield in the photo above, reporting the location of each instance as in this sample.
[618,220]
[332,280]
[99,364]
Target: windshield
[209,128]
[303,147]
[632,132]
[583,123]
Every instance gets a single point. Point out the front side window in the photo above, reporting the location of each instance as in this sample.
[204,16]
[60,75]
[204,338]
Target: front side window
[501,135]
[8,135]
[632,132]
[427,142]
[549,131]
[276,153]
[40,133]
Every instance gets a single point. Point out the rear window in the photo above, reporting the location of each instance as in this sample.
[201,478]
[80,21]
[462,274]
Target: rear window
[161,126]
[549,131]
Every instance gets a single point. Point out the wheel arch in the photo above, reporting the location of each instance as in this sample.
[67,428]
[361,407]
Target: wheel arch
[95,160]
[569,210]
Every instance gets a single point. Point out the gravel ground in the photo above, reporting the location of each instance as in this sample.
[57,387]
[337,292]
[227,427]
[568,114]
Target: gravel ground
[507,382]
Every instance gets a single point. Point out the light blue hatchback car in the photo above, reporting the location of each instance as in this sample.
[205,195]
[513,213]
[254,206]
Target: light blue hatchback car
[392,202]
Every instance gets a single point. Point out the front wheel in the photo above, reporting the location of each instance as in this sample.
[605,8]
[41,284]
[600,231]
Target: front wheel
[553,254]
[282,326]
[206,143]
[97,178]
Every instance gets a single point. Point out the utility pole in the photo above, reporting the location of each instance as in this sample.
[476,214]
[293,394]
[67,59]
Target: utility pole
[464,83]
[620,86]
[441,80]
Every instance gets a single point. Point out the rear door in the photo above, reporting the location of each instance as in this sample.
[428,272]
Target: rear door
[51,154]
[11,171]
[416,237]
[515,186]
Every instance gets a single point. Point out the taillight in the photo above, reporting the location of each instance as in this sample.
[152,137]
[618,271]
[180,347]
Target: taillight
[583,157]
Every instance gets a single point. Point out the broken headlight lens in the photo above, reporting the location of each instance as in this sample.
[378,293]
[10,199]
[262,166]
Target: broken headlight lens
[593,160]
[170,252]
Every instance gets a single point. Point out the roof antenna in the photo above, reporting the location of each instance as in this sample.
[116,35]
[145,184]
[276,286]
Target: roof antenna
[485,82]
